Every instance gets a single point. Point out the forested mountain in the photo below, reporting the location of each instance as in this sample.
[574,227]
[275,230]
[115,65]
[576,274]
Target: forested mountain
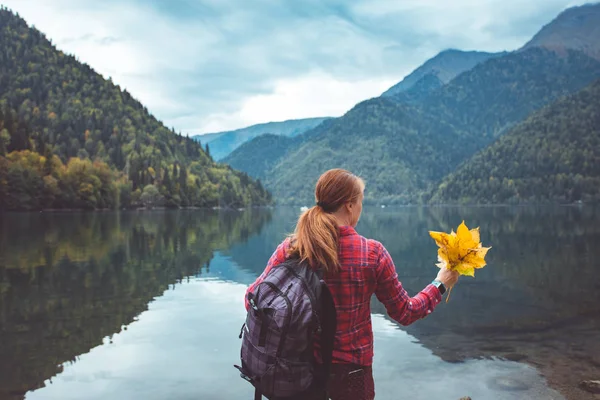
[419,91]
[70,138]
[221,144]
[380,140]
[440,70]
[260,155]
[495,95]
[552,156]
[251,155]
[403,148]
[576,28]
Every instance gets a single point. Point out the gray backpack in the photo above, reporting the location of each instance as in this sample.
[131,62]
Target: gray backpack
[290,312]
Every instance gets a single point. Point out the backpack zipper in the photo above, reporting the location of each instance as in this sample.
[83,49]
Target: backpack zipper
[286,325]
[313,301]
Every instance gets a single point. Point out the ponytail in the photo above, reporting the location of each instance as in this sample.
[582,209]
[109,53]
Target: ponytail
[316,238]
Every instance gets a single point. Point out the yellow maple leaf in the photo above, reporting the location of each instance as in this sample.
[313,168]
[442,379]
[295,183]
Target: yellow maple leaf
[460,251]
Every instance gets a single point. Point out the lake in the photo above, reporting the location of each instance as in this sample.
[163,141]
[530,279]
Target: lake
[148,305]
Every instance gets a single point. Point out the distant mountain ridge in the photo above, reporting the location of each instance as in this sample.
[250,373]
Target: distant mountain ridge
[441,69]
[402,149]
[251,154]
[223,143]
[404,145]
[576,28]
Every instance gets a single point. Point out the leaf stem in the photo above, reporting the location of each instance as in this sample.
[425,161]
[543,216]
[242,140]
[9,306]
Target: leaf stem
[449,291]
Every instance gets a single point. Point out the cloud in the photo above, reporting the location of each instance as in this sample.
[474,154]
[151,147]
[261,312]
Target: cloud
[206,65]
[304,97]
[91,39]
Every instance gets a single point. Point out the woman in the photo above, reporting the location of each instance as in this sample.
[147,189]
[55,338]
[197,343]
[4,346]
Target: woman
[355,269]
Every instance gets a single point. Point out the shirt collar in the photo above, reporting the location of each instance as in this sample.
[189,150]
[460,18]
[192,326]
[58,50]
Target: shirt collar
[347,230]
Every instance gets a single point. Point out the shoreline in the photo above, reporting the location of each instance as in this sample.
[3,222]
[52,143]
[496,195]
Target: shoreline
[132,209]
[392,206]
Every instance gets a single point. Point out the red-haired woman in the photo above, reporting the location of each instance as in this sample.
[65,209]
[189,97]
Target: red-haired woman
[355,269]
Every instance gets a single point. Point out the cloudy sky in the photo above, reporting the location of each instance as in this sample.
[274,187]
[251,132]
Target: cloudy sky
[209,65]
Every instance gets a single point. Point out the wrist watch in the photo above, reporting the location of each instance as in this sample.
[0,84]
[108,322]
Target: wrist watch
[440,286]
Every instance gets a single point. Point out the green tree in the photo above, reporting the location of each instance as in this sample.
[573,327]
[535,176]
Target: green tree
[4,141]
[151,197]
[55,106]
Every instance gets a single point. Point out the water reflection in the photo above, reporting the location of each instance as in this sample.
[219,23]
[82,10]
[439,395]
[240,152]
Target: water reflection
[537,301]
[70,280]
[542,258]
[71,285]
[183,347]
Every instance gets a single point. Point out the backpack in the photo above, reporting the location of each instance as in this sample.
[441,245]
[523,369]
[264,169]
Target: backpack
[289,310]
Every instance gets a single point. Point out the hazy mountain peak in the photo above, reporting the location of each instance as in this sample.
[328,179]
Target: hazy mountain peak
[223,143]
[446,65]
[576,28]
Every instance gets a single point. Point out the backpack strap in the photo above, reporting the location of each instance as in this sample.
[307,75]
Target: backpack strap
[328,329]
[257,394]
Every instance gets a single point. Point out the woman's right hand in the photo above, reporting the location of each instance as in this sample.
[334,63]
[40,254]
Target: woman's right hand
[447,277]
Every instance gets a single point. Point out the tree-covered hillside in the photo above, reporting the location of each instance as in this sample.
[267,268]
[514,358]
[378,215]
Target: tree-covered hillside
[57,114]
[403,149]
[380,140]
[498,93]
[222,144]
[443,67]
[552,156]
[260,155]
[438,124]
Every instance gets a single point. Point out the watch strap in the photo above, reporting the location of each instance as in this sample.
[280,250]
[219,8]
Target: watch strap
[441,287]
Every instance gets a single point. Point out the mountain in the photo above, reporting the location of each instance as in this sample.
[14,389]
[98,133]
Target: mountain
[378,139]
[208,137]
[552,156]
[258,157]
[439,70]
[223,143]
[71,139]
[576,28]
[250,155]
[495,95]
[419,91]
[403,149]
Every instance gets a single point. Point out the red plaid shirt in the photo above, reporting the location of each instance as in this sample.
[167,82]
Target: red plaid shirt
[366,268]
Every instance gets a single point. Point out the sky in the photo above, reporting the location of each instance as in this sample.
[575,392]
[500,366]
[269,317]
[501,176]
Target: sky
[205,66]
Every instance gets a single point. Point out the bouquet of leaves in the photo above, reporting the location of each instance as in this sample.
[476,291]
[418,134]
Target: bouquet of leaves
[460,251]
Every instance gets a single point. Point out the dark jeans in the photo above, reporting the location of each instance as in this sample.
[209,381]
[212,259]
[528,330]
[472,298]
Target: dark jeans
[349,382]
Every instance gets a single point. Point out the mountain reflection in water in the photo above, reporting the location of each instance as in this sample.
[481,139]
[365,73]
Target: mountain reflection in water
[149,305]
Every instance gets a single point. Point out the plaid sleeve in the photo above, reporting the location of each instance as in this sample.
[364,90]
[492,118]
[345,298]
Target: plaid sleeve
[278,256]
[399,305]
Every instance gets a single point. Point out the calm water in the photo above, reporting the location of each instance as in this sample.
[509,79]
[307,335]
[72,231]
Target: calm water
[149,305]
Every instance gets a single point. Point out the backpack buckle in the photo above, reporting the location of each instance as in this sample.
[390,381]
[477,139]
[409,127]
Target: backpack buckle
[253,304]
[243,374]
